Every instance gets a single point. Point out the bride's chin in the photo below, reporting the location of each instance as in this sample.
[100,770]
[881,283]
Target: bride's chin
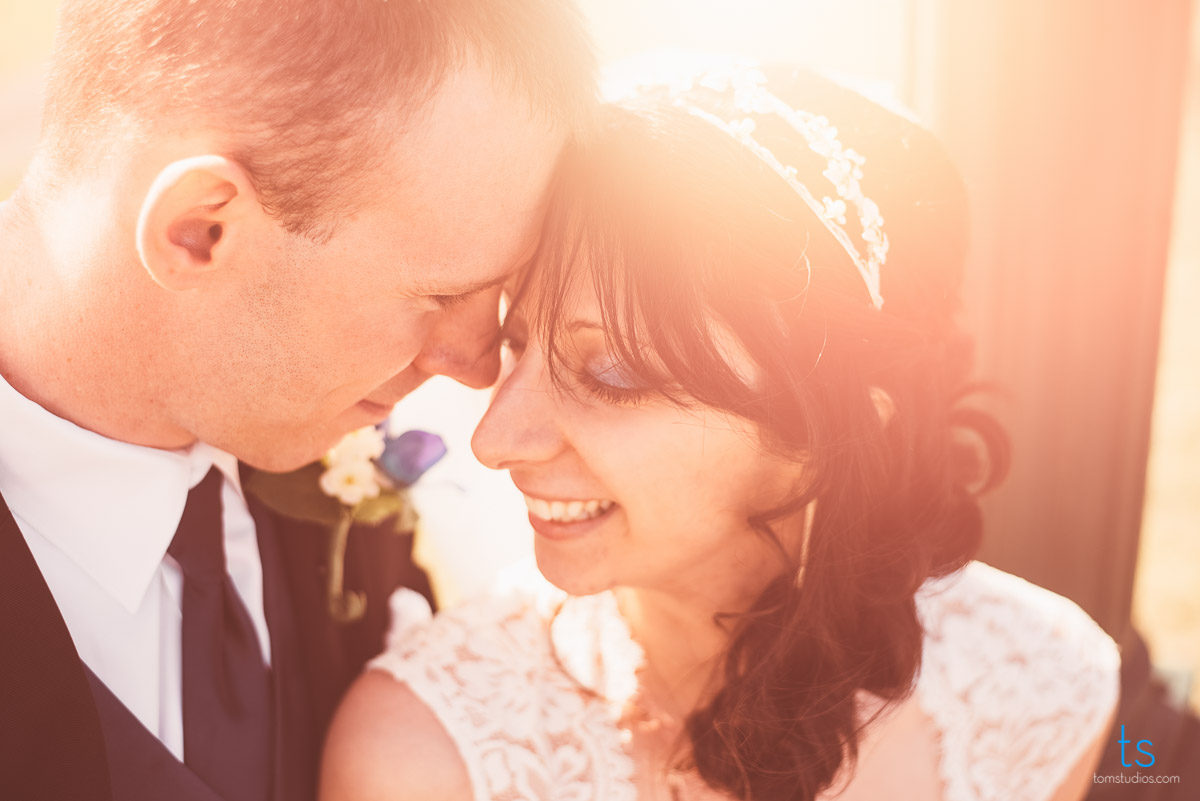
[574,574]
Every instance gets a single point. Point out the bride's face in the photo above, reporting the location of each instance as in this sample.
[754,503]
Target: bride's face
[626,490]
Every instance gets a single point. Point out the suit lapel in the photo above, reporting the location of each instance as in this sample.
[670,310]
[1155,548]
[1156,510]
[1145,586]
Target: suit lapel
[314,659]
[142,768]
[293,558]
[296,741]
[333,654]
[50,718]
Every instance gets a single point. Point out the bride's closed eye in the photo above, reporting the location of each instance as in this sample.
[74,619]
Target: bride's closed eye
[610,382]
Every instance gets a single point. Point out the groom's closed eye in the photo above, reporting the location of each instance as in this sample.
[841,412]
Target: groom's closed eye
[450,301]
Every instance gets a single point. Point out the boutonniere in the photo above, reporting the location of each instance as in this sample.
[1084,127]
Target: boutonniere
[363,479]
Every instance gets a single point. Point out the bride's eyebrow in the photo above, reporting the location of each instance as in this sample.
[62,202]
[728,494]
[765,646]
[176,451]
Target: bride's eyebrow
[577,325]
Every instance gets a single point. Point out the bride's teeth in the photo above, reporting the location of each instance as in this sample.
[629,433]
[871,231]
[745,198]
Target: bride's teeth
[538,507]
[566,511]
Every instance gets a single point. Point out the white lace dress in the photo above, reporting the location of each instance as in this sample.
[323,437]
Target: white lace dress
[1016,682]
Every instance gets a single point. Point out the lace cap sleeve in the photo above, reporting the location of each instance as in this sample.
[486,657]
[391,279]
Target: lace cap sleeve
[486,671]
[1018,680]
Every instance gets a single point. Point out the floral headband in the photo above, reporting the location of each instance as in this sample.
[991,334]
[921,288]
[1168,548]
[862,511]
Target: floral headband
[843,165]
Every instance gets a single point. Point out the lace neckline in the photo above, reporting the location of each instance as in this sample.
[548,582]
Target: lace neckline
[594,646]
[534,699]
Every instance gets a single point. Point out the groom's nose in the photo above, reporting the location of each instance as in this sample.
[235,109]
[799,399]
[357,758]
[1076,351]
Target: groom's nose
[464,342]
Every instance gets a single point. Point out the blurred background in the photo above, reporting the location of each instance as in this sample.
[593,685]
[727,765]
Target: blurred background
[1076,125]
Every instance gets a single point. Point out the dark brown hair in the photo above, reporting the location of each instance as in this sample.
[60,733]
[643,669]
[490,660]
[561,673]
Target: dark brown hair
[302,88]
[678,227]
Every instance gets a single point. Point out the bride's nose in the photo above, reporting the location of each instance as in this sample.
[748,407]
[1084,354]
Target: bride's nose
[522,423]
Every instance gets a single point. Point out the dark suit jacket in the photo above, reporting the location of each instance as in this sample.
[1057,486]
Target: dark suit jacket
[52,745]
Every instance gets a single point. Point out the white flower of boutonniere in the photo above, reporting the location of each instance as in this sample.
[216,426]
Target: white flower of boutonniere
[351,482]
[363,445]
[364,478]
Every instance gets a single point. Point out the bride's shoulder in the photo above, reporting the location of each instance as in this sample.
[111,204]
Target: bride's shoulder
[420,720]
[1020,681]
[982,615]
[487,647]
[507,625]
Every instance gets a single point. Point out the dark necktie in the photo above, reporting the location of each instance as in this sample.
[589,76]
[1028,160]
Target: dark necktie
[227,738]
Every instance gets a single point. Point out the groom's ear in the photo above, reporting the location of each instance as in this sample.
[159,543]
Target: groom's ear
[193,210]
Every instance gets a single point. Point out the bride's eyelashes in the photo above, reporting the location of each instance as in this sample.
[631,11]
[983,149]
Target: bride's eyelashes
[607,393]
[602,379]
[611,383]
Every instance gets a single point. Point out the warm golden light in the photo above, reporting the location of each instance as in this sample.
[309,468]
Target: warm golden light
[1069,234]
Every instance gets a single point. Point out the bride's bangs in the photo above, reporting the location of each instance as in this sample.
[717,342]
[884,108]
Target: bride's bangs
[642,225]
[585,252]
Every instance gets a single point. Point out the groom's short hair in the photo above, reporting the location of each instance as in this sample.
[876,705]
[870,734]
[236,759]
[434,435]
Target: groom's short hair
[297,85]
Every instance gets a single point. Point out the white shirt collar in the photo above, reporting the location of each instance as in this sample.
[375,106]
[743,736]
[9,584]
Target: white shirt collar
[109,506]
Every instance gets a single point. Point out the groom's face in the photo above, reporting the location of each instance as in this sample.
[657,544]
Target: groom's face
[311,340]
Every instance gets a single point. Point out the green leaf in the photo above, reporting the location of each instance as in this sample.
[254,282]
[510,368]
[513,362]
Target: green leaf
[406,521]
[378,509]
[296,494]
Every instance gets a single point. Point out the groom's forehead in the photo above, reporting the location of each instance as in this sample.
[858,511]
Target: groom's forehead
[469,265]
[470,183]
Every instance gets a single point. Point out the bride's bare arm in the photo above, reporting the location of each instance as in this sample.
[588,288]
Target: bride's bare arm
[1080,779]
[385,745]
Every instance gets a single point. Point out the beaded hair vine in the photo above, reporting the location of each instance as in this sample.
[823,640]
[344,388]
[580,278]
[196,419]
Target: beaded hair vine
[843,165]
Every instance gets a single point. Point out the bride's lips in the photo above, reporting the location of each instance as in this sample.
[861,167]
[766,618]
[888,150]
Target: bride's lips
[564,520]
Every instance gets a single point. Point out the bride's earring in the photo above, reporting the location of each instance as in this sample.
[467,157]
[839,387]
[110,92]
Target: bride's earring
[884,405]
[810,512]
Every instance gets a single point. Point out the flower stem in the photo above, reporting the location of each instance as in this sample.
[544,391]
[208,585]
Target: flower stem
[344,607]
